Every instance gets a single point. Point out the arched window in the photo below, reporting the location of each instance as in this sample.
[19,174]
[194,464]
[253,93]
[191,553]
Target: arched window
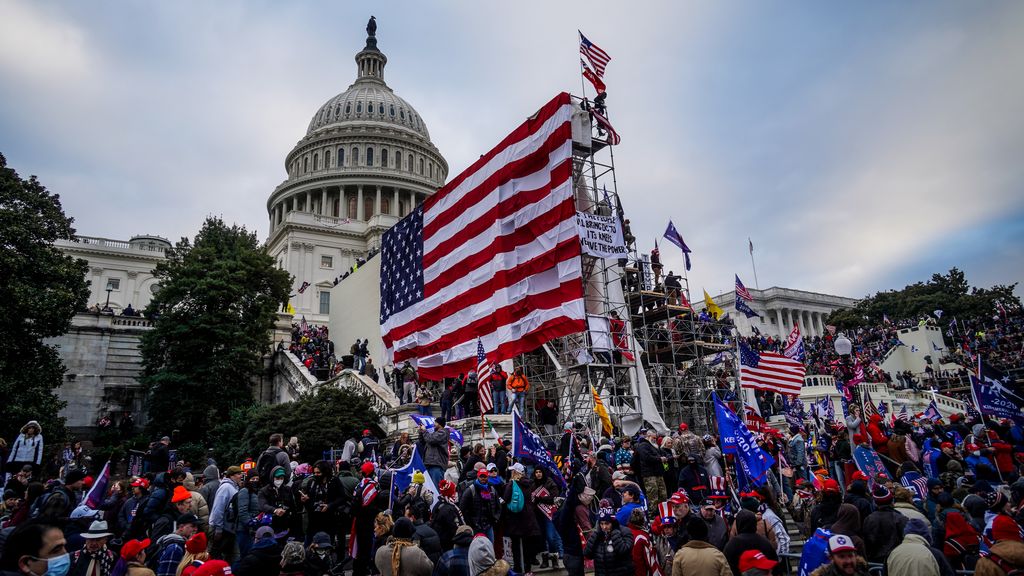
[305,164]
[421,166]
[348,108]
[355,156]
[359,107]
[352,201]
[401,113]
[316,161]
[380,109]
[327,158]
[337,110]
[398,159]
[369,156]
[431,169]
[385,204]
[391,109]
[384,157]
[410,163]
[341,157]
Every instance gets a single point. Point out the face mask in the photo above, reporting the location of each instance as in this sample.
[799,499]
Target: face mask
[976,453]
[321,553]
[279,482]
[58,565]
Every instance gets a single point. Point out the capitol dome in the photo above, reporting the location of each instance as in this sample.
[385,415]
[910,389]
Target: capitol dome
[366,161]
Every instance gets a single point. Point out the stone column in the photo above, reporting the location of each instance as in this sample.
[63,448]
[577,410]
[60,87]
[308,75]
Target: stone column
[394,204]
[308,206]
[778,321]
[821,322]
[376,200]
[323,201]
[359,204]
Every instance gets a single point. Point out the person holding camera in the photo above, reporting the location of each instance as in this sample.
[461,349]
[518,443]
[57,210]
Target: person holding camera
[277,500]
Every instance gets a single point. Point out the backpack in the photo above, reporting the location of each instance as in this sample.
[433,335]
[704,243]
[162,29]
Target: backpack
[138,526]
[266,463]
[40,503]
[515,505]
[231,514]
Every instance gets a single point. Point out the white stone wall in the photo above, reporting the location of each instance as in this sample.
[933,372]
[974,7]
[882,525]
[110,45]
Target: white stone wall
[355,311]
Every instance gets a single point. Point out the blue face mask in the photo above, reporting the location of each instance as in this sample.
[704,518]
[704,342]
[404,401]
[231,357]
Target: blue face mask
[58,565]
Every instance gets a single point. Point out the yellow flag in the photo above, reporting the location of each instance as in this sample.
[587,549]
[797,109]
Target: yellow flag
[290,309]
[713,309]
[602,412]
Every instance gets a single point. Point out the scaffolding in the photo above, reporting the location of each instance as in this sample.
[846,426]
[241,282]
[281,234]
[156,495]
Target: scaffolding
[669,378]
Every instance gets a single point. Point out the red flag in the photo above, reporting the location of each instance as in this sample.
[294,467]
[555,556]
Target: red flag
[593,78]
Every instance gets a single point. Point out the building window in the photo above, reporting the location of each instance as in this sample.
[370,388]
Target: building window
[398,159]
[316,161]
[384,157]
[385,205]
[348,108]
[113,284]
[392,110]
[305,164]
[355,156]
[401,114]
[325,302]
[327,158]
[431,169]
[351,207]
[369,156]
[380,109]
[410,162]
[421,166]
[341,157]
[327,261]
[359,107]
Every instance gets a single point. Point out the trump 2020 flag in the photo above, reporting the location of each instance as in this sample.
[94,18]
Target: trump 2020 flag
[676,238]
[752,462]
[429,423]
[526,444]
[95,496]
[402,478]
[932,413]
[996,395]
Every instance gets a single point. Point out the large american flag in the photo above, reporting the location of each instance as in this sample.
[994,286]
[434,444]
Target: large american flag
[494,255]
[597,57]
[483,375]
[770,371]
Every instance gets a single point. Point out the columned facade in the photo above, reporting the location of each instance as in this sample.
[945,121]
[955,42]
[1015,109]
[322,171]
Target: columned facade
[782,309]
[366,160]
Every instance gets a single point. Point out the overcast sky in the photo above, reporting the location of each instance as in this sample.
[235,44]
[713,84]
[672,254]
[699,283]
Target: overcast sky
[861,145]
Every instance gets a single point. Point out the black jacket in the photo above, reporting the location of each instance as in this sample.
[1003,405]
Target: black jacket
[263,559]
[649,458]
[619,560]
[883,531]
[445,519]
[481,513]
[428,540]
[746,538]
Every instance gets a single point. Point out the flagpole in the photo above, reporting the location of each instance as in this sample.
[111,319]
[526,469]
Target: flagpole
[751,244]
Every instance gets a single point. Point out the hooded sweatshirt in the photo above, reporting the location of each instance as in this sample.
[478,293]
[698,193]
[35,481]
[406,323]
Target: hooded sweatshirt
[28,449]
[482,561]
[746,538]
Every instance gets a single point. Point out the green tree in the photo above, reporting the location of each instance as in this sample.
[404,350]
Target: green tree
[213,315]
[321,420]
[949,292]
[41,288]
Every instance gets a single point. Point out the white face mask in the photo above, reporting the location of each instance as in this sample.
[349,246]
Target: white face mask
[279,482]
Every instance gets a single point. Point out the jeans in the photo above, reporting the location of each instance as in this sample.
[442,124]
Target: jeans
[554,541]
[359,363]
[515,398]
[424,410]
[244,539]
[436,473]
[499,401]
[446,409]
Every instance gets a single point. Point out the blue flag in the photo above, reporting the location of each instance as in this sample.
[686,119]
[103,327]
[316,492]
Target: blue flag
[753,464]
[844,398]
[995,396]
[402,477]
[526,444]
[882,409]
[429,423]
[930,459]
[932,412]
[673,236]
[742,306]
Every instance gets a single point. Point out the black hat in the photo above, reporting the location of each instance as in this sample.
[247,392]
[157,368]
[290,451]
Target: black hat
[404,528]
[188,518]
[74,476]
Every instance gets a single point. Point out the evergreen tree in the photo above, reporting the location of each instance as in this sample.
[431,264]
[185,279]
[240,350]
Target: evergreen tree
[213,318]
[41,288]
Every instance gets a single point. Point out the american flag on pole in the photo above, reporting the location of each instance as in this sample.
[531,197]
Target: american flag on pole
[741,290]
[483,374]
[915,481]
[770,371]
[494,255]
[613,136]
[903,416]
[597,57]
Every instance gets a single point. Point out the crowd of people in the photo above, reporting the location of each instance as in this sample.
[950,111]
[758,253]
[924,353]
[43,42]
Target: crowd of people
[950,497]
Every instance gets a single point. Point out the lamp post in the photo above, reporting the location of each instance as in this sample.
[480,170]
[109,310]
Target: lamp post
[106,307]
[844,348]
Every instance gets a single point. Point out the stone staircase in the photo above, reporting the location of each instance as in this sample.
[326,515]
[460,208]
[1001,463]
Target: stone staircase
[796,543]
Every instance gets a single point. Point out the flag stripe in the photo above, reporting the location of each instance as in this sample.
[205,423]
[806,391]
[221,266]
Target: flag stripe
[483,372]
[484,293]
[770,371]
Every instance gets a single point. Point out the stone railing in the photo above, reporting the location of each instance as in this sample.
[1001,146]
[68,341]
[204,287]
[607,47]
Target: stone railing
[302,381]
[133,321]
[121,244]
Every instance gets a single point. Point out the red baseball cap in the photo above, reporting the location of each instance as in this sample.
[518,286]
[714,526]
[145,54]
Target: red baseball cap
[683,427]
[858,475]
[945,445]
[756,559]
[213,568]
[132,548]
[680,497]
[830,485]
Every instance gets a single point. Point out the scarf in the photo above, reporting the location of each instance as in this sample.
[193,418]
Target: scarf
[101,562]
[396,554]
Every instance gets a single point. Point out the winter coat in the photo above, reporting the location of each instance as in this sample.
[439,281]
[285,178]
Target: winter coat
[883,530]
[263,559]
[859,497]
[248,507]
[1008,552]
[524,522]
[480,506]
[212,481]
[848,523]
[912,558]
[615,562]
[830,570]
[435,451]
[414,561]
[428,540]
[746,538]
[27,449]
[271,498]
[649,458]
[136,569]
[221,503]
[199,505]
[698,557]
[910,511]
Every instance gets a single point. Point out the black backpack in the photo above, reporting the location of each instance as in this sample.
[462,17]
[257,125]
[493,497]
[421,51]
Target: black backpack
[266,463]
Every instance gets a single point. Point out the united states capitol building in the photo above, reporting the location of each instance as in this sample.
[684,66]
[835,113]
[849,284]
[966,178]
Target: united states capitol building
[365,160]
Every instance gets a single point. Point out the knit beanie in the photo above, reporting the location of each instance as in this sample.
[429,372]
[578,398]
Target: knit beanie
[882,495]
[404,528]
[196,544]
[995,501]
